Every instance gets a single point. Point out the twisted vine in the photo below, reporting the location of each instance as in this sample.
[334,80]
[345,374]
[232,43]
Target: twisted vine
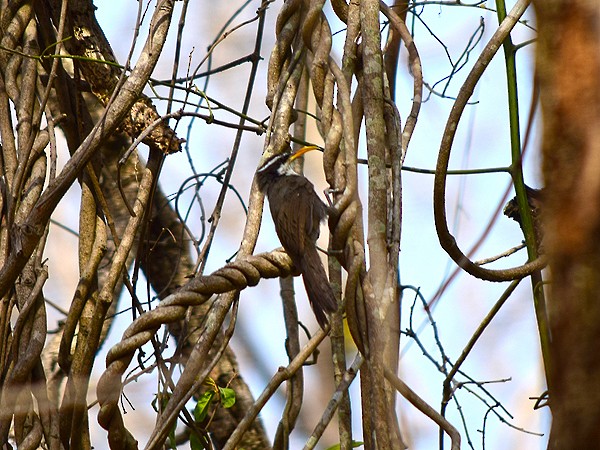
[233,277]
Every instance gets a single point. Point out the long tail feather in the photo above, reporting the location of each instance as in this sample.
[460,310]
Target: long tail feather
[317,286]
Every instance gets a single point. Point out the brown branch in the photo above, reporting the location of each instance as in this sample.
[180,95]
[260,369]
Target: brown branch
[32,228]
[424,407]
[416,68]
[475,337]
[106,79]
[338,398]
[379,285]
[167,241]
[216,215]
[283,374]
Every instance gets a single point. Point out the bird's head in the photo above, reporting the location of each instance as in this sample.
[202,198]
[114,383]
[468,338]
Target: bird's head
[280,164]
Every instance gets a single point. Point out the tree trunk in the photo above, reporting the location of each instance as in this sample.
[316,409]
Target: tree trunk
[568,69]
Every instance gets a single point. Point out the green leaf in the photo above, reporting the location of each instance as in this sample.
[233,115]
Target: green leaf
[201,409]
[355,444]
[164,399]
[172,440]
[197,442]
[227,397]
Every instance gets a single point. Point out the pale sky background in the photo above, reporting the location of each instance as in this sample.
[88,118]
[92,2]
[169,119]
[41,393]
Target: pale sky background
[508,349]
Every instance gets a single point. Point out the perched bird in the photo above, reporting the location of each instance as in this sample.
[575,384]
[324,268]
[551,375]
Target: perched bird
[536,199]
[298,212]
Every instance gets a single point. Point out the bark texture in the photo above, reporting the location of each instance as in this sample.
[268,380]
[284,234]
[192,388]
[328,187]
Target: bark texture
[568,70]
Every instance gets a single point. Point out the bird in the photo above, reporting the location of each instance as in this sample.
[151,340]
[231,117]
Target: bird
[536,199]
[297,213]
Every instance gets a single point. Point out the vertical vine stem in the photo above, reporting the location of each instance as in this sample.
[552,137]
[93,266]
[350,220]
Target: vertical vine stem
[521,192]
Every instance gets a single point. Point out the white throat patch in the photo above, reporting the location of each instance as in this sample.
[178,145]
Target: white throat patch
[286,169]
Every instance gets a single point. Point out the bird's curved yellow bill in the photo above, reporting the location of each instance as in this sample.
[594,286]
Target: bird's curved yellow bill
[303,150]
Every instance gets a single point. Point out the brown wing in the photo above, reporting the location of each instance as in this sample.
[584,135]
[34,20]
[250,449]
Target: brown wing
[297,212]
[298,215]
[290,219]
